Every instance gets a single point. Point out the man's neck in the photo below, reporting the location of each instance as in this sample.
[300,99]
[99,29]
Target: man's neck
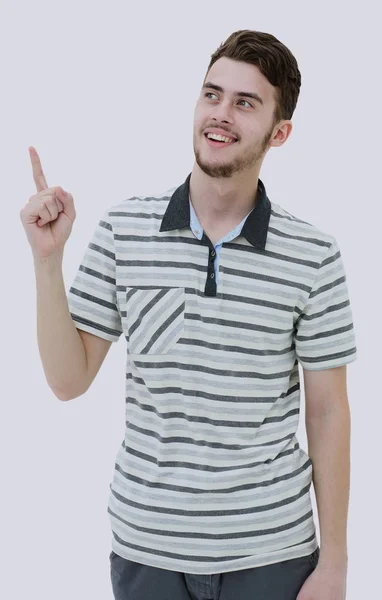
[222,200]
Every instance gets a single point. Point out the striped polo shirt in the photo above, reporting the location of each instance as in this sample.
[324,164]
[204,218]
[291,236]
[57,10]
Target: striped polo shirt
[210,476]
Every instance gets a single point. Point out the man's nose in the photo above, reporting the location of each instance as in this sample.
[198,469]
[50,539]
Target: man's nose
[222,112]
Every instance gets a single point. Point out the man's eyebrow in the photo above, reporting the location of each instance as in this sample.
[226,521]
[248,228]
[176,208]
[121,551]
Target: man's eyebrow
[218,88]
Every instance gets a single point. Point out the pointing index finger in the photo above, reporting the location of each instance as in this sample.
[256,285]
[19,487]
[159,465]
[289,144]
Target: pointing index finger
[38,174]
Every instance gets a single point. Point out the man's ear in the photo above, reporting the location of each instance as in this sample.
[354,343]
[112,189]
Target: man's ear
[284,129]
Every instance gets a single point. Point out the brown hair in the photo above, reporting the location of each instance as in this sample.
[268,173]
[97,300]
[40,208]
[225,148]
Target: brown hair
[275,61]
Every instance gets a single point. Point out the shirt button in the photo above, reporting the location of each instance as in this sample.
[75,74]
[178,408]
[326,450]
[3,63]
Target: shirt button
[196,232]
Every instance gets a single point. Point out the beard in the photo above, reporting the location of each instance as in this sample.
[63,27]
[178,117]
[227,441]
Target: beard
[243,162]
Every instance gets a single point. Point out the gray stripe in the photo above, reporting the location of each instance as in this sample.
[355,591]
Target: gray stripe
[210,475]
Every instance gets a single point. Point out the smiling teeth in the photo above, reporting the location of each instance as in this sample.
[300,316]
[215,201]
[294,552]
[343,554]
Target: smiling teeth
[219,138]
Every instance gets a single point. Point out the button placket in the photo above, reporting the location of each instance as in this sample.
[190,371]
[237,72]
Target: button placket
[211,261]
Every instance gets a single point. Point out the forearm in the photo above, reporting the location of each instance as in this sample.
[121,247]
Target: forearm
[329,449]
[61,349]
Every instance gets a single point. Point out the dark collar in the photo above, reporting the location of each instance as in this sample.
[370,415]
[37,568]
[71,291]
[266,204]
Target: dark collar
[255,228]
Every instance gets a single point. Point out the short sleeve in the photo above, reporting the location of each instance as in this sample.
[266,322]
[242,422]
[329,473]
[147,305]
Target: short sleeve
[324,332]
[92,297]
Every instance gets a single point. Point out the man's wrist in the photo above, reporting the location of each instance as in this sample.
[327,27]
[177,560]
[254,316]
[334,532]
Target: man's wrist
[333,557]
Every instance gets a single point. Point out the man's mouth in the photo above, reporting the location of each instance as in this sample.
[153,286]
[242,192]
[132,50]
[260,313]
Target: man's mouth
[219,141]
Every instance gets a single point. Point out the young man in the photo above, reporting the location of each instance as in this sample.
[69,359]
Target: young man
[220,293]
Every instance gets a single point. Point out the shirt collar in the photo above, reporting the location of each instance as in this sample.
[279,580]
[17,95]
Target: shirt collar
[255,228]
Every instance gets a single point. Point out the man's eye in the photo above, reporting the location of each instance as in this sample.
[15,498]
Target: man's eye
[246,102]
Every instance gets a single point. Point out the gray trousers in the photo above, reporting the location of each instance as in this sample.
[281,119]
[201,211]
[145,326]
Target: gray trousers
[279,581]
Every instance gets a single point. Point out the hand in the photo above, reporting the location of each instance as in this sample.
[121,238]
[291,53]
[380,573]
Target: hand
[325,583]
[48,216]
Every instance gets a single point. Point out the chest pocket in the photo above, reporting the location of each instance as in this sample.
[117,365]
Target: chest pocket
[154,319]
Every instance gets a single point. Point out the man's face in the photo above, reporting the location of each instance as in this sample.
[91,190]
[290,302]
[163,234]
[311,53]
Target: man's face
[245,118]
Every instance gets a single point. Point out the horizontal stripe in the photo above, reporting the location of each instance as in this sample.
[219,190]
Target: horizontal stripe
[210,476]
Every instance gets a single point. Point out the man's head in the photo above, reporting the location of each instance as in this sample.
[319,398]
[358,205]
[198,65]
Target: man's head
[261,66]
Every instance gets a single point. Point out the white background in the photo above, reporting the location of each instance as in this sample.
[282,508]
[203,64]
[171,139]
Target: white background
[105,91]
